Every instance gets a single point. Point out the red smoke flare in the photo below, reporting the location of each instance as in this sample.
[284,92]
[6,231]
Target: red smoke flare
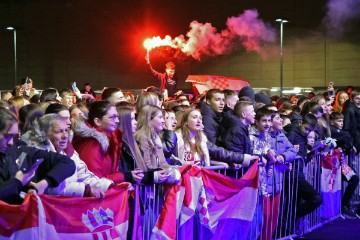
[203,40]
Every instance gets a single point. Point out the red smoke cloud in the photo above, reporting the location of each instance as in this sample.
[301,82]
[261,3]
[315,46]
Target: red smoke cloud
[203,40]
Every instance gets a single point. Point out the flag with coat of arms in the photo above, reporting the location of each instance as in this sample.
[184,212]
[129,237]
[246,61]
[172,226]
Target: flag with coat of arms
[208,205]
[44,217]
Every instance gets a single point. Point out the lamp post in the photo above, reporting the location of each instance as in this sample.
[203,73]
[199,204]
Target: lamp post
[281,21]
[15,60]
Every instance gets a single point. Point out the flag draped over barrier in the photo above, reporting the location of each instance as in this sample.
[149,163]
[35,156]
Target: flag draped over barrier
[330,184]
[203,83]
[208,205]
[51,217]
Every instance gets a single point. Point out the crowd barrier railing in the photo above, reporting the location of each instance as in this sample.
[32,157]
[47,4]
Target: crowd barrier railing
[354,163]
[276,216]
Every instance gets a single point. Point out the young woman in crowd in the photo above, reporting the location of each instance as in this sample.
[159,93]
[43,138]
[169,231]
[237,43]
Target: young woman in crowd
[98,141]
[150,123]
[192,148]
[340,99]
[131,158]
[147,98]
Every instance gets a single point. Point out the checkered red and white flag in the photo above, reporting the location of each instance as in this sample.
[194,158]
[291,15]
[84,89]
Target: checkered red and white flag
[203,83]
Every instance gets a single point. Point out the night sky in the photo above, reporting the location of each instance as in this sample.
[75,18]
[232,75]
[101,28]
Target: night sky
[78,36]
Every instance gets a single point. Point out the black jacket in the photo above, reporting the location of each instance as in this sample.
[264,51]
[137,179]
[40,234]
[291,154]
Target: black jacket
[212,123]
[343,139]
[127,164]
[352,122]
[236,135]
[169,142]
[221,154]
[54,169]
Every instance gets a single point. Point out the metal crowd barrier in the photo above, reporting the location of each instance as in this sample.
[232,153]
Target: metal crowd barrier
[276,216]
[354,163]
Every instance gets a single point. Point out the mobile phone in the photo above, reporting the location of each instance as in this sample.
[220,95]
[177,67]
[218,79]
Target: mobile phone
[20,160]
[73,86]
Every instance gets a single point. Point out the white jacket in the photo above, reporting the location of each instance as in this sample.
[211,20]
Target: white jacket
[182,149]
[74,186]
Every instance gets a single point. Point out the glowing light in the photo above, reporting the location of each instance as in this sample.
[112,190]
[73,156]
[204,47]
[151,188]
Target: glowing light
[148,44]
[159,42]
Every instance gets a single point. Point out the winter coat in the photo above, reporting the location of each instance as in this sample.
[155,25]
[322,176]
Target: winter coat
[295,138]
[182,149]
[283,147]
[343,139]
[153,156]
[127,164]
[99,150]
[169,142]
[212,123]
[352,122]
[55,169]
[236,135]
[75,185]
[221,154]
[261,144]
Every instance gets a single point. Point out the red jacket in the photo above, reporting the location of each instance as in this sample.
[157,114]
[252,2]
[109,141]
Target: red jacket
[100,151]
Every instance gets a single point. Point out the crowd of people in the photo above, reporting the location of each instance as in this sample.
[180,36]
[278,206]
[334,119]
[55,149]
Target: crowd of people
[89,143]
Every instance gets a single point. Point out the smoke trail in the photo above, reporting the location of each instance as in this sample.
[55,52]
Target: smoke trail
[203,40]
[339,13]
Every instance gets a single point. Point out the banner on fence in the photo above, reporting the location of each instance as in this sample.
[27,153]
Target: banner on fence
[208,205]
[53,217]
[330,184]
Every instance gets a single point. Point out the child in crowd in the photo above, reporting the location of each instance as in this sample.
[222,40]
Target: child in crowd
[308,199]
[344,141]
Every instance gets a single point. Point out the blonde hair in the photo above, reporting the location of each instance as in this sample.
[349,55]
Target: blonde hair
[146,114]
[147,98]
[18,102]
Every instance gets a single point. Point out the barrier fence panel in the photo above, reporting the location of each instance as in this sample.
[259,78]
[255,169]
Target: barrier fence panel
[276,214]
[354,163]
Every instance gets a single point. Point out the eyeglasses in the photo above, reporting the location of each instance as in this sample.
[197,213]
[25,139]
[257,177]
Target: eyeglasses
[114,117]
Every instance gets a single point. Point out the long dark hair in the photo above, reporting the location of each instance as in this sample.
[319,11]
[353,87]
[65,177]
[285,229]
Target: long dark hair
[98,110]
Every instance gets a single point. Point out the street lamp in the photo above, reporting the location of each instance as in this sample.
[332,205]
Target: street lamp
[15,67]
[281,21]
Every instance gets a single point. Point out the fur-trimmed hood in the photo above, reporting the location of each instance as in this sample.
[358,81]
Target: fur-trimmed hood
[84,130]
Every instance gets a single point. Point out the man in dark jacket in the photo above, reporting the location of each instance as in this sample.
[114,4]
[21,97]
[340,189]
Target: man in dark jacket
[236,134]
[18,163]
[212,113]
[351,113]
